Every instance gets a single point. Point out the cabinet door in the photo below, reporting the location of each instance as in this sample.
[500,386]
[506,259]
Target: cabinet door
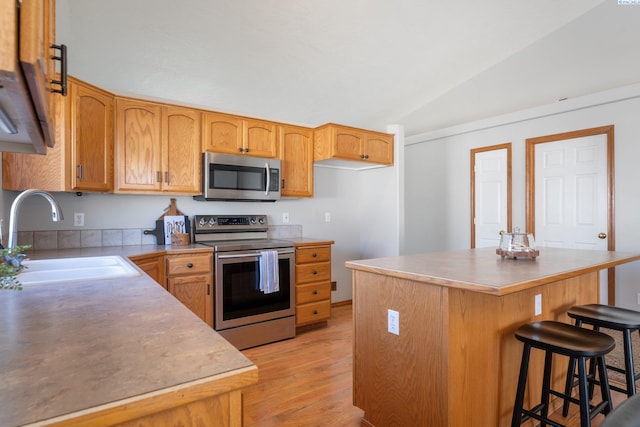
[378,148]
[91,138]
[348,143]
[152,265]
[195,293]
[138,146]
[222,133]
[181,150]
[296,156]
[260,138]
[37,33]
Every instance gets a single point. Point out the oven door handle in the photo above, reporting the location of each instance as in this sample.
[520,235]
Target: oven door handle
[252,254]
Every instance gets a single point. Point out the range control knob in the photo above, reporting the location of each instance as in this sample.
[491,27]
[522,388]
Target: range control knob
[261,221]
[201,222]
[253,220]
[212,221]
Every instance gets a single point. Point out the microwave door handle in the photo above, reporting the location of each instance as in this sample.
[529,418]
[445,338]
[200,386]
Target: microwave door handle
[266,192]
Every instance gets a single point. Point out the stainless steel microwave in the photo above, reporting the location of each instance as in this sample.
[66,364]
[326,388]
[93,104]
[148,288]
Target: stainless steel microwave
[232,177]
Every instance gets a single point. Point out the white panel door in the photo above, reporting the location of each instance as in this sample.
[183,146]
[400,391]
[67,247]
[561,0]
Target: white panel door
[571,196]
[571,193]
[490,216]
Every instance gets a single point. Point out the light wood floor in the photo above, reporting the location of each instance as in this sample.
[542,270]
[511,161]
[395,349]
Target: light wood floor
[307,381]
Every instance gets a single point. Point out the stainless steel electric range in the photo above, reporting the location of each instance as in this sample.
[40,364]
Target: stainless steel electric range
[246,312]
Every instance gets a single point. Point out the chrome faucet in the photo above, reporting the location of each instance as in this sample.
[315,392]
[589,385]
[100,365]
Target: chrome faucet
[56,213]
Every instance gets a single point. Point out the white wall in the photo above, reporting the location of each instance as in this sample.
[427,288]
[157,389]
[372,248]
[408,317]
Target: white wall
[438,182]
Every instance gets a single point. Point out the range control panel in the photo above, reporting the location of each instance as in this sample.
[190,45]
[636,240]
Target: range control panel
[229,223]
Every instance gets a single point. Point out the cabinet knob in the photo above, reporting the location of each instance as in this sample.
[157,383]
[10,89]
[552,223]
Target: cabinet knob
[314,255]
[190,265]
[366,156]
[240,150]
[314,272]
[315,312]
[246,150]
[315,292]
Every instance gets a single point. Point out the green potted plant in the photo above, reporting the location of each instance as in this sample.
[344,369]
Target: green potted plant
[10,266]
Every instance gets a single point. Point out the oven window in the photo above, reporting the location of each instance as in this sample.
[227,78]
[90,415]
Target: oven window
[241,296]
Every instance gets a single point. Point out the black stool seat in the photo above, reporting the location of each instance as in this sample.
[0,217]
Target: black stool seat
[627,414]
[619,319]
[574,342]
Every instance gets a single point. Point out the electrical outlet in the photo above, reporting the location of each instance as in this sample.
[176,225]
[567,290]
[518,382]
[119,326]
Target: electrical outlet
[78,219]
[285,217]
[538,305]
[393,322]
[327,217]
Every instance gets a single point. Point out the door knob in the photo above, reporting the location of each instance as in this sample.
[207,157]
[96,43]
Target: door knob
[602,235]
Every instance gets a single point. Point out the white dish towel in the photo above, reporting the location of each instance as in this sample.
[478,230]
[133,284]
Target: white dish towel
[269,272]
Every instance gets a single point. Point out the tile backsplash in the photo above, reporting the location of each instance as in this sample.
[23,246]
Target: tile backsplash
[73,239]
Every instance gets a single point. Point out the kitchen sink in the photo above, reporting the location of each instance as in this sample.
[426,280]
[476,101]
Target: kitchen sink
[75,269]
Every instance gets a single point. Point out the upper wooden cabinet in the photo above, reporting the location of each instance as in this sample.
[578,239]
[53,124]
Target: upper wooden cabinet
[333,141]
[225,133]
[90,137]
[84,162]
[157,148]
[27,68]
[296,156]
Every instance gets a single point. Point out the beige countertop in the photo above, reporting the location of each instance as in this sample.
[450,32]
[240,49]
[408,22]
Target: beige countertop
[481,270]
[77,347]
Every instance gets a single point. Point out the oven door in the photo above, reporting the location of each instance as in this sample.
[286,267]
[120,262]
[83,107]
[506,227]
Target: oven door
[238,299]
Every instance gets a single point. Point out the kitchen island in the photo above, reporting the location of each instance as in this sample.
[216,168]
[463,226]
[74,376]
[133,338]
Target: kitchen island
[455,360]
[114,351]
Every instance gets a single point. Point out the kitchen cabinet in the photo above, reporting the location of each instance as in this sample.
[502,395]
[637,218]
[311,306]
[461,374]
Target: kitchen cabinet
[332,141]
[157,148]
[190,280]
[27,68]
[296,156]
[225,133]
[313,282]
[90,137]
[84,161]
[153,265]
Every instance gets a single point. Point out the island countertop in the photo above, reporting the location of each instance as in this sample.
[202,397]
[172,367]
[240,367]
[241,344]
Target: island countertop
[481,270]
[70,350]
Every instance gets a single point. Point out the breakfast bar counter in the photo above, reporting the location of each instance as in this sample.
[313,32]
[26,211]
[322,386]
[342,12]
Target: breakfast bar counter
[455,360]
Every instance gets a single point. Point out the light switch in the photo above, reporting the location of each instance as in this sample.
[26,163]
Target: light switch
[538,305]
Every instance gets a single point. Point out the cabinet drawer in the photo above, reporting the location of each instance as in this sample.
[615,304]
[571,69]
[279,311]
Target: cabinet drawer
[313,292]
[319,272]
[189,264]
[313,312]
[313,254]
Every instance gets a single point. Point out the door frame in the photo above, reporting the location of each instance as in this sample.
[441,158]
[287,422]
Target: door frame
[474,151]
[531,191]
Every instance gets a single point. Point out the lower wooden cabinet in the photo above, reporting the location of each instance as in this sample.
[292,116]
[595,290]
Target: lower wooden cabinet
[153,265]
[190,280]
[313,282]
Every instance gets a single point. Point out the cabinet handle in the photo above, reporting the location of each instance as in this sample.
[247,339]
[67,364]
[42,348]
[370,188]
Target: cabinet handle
[315,292]
[282,185]
[208,289]
[166,177]
[79,175]
[190,265]
[158,176]
[314,255]
[63,69]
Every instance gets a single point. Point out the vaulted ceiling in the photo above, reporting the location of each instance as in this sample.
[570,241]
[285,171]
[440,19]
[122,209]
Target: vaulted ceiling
[367,63]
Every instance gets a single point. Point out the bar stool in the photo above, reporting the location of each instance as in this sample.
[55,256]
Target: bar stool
[567,340]
[619,319]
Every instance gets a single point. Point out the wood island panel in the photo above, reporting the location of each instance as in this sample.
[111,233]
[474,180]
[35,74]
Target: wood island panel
[456,360]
